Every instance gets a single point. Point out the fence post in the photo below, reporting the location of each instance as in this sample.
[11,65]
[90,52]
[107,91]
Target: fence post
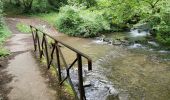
[39,47]
[58,61]
[33,37]
[46,50]
[80,76]
[89,65]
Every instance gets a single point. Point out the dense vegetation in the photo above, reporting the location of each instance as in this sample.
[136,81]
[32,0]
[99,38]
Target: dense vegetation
[90,18]
[101,16]
[3,32]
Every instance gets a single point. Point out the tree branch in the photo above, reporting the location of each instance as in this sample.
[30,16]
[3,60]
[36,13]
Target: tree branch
[155,3]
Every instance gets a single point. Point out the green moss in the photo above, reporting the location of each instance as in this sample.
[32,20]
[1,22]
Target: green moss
[68,89]
[23,28]
[43,60]
[53,71]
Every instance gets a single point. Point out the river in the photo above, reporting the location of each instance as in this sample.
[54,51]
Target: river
[137,71]
[140,72]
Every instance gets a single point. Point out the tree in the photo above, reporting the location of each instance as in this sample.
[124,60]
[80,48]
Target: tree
[57,3]
[27,4]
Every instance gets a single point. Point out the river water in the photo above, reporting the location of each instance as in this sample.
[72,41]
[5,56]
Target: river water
[142,73]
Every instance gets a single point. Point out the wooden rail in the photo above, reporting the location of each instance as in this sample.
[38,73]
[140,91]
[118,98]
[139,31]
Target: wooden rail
[40,41]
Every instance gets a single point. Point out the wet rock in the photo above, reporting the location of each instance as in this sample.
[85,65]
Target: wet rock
[111,42]
[87,84]
[113,91]
[106,39]
[43,26]
[104,81]
[96,85]
[125,42]
[98,38]
[117,42]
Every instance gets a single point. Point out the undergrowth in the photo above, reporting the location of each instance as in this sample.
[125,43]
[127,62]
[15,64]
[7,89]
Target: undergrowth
[4,33]
[23,28]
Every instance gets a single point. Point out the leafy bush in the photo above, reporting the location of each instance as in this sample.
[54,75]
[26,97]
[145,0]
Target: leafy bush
[81,22]
[68,20]
[154,20]
[163,29]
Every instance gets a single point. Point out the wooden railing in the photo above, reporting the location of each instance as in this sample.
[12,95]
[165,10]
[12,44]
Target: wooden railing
[41,42]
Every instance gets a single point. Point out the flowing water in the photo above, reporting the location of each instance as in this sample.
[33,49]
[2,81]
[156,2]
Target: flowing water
[87,46]
[142,73]
[138,72]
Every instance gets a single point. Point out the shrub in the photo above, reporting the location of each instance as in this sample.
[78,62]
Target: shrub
[163,36]
[154,20]
[68,20]
[81,22]
[163,29]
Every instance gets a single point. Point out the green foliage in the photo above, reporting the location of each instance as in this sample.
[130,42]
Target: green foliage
[159,21]
[42,6]
[68,20]
[4,33]
[72,21]
[3,52]
[86,3]
[125,11]
[154,20]
[1,10]
[23,28]
[163,29]
[31,6]
[93,24]
[89,18]
[81,22]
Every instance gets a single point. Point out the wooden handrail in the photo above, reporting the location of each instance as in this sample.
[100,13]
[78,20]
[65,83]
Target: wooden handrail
[73,49]
[42,45]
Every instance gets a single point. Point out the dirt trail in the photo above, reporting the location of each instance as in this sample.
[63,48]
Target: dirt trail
[27,82]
